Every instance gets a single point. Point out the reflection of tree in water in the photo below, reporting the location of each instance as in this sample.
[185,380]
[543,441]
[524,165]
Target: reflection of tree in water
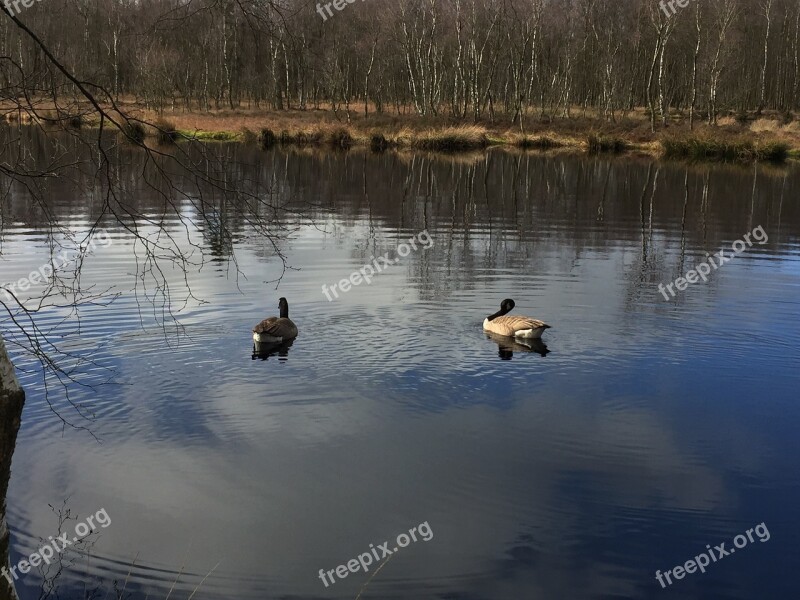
[490,212]
[514,212]
[493,211]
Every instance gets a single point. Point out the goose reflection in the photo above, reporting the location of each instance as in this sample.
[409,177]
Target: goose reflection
[507,346]
[264,350]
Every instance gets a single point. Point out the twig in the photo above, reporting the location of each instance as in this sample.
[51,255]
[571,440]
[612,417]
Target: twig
[363,587]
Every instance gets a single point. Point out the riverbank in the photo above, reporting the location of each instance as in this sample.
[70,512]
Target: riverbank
[745,137]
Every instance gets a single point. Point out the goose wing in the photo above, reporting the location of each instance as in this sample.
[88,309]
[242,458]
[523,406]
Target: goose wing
[279,328]
[265,325]
[511,325]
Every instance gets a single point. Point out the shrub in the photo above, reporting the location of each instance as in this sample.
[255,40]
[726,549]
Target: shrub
[340,138]
[304,138]
[776,152]
[166,133]
[762,125]
[599,144]
[378,143]
[135,131]
[267,139]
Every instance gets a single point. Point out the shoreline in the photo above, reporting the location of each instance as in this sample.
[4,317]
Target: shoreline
[746,138]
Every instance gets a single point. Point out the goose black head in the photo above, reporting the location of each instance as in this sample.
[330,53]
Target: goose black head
[505,307]
[283,305]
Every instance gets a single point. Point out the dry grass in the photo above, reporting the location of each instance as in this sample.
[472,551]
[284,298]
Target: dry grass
[340,138]
[451,139]
[762,125]
[16,116]
[535,142]
[600,144]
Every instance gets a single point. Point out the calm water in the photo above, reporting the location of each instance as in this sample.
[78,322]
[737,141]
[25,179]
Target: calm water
[648,429]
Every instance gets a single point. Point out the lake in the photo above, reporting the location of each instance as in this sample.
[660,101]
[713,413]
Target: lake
[642,430]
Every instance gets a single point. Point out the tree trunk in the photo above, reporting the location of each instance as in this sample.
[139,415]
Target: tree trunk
[699,28]
[12,399]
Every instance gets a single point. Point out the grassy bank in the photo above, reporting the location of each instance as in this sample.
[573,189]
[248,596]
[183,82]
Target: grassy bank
[742,138]
[730,150]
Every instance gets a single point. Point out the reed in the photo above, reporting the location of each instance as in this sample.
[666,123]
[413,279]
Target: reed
[340,138]
[541,142]
[135,132]
[166,132]
[451,139]
[775,152]
[378,143]
[267,138]
[733,150]
[602,144]
[302,137]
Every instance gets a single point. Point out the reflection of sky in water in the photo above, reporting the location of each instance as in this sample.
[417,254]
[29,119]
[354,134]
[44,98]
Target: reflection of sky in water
[650,430]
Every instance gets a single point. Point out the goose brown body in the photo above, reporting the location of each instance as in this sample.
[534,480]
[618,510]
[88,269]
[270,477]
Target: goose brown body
[276,329]
[285,329]
[515,326]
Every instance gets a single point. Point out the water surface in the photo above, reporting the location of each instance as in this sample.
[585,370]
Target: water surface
[646,430]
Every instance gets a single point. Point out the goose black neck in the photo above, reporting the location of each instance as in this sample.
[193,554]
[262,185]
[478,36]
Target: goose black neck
[499,313]
[284,311]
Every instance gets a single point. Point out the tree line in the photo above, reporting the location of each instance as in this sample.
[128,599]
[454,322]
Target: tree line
[467,59]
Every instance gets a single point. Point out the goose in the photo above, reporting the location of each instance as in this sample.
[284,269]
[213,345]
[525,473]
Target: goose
[514,327]
[276,329]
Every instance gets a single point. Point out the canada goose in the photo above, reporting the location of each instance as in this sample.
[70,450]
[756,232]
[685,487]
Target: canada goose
[516,327]
[276,329]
